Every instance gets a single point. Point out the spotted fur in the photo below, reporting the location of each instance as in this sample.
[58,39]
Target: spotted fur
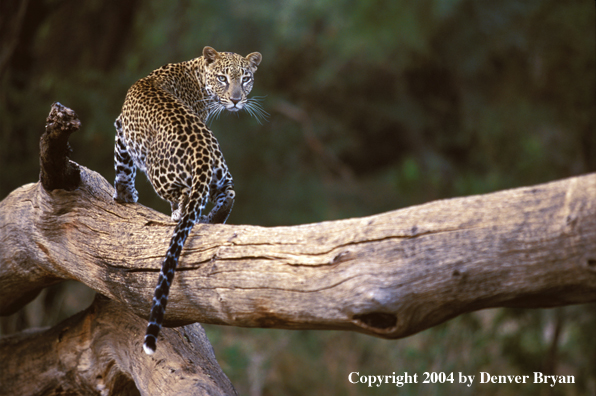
[162,132]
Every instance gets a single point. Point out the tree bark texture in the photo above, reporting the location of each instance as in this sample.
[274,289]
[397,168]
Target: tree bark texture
[98,352]
[388,275]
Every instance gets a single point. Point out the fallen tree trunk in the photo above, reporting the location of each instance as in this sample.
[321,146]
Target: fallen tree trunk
[388,275]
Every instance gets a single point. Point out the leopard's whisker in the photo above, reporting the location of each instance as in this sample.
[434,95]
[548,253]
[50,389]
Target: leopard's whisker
[255,109]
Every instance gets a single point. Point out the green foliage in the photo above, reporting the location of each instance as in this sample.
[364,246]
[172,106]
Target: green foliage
[391,103]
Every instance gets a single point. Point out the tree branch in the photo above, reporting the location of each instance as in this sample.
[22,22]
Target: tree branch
[389,275]
[93,353]
[57,171]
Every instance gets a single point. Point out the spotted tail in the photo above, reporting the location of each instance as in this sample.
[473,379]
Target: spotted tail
[166,276]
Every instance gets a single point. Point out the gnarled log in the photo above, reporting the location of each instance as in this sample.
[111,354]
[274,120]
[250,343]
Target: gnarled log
[98,351]
[388,275]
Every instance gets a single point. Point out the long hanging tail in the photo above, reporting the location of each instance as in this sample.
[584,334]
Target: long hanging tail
[166,276]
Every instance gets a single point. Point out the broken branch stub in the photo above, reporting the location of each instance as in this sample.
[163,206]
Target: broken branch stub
[56,170]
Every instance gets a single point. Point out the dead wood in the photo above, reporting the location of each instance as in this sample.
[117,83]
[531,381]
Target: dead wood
[98,351]
[56,170]
[388,275]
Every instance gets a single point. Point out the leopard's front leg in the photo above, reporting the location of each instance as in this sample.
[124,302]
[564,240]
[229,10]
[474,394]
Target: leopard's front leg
[124,183]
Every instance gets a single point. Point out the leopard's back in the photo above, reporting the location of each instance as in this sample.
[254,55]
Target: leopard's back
[162,131]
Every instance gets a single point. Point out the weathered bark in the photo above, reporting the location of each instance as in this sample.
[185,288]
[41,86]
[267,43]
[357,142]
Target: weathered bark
[98,351]
[388,275]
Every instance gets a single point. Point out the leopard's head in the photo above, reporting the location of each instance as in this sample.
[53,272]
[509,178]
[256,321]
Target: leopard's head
[228,79]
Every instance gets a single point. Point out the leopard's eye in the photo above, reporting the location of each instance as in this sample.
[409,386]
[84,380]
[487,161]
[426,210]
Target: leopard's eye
[222,79]
[246,79]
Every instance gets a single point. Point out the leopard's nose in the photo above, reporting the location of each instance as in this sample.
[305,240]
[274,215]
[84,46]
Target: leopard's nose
[235,100]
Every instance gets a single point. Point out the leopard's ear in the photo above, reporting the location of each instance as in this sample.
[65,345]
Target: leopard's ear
[210,55]
[255,59]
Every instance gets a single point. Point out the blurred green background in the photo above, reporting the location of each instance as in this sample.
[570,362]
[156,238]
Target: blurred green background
[374,105]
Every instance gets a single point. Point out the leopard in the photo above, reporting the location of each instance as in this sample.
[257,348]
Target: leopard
[163,131]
